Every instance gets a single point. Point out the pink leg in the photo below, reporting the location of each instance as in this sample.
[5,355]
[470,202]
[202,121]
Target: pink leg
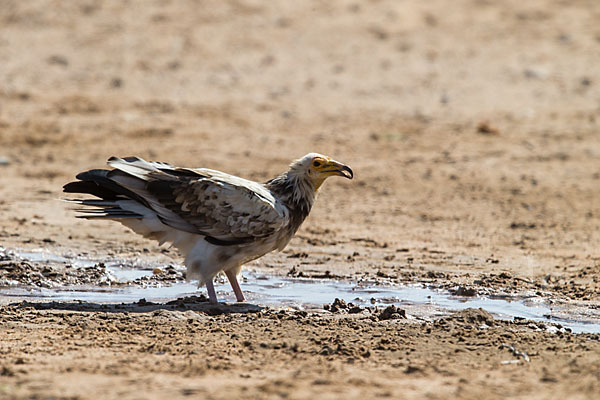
[212,295]
[235,286]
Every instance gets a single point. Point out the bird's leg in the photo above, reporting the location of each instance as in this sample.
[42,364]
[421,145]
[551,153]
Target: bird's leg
[212,295]
[239,296]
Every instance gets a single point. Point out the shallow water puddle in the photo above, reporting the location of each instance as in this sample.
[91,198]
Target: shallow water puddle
[262,289]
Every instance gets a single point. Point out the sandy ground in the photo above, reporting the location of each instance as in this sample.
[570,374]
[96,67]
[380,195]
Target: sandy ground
[472,128]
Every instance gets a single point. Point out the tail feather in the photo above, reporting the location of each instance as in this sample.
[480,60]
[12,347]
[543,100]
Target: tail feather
[122,194]
[96,183]
[100,183]
[103,209]
[93,203]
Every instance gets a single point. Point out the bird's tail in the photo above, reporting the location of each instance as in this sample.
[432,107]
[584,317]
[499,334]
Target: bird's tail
[122,194]
[109,192]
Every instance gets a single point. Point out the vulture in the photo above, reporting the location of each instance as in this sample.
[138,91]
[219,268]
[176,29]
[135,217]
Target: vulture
[216,220]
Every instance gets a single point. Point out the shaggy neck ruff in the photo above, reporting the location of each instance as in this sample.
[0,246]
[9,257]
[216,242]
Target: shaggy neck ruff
[296,191]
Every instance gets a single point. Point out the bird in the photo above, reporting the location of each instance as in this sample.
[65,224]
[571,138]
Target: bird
[217,221]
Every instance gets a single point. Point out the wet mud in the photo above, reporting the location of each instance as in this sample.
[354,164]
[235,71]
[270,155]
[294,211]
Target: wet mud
[53,271]
[162,351]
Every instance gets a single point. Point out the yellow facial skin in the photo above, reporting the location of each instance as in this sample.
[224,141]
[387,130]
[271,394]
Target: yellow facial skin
[322,168]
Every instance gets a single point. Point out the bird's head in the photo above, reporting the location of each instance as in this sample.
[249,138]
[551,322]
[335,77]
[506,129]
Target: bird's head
[317,167]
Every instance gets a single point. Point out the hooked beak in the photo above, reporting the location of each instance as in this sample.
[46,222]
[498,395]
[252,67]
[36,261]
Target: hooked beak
[336,168]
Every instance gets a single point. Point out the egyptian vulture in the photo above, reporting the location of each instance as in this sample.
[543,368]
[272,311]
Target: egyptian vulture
[217,221]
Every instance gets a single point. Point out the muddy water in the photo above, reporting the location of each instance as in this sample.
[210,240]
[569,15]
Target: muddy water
[127,284]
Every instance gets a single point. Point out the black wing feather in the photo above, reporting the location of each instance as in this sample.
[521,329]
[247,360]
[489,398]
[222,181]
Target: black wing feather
[97,182]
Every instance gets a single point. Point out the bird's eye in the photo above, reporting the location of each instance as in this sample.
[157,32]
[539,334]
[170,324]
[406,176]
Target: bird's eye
[316,164]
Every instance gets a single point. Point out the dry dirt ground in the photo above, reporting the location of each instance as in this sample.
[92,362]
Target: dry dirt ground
[472,128]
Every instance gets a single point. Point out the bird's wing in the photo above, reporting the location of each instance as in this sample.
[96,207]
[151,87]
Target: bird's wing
[226,209]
